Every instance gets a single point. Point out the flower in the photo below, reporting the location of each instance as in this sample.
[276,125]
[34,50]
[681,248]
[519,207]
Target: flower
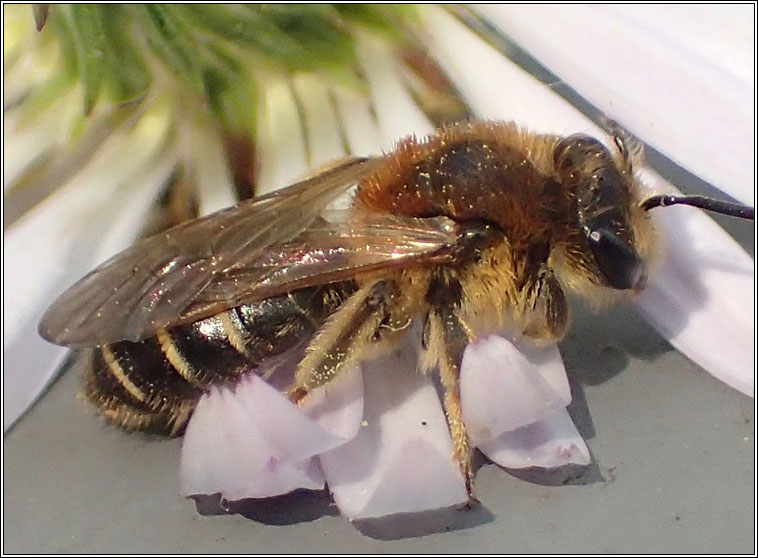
[394,456]
[378,436]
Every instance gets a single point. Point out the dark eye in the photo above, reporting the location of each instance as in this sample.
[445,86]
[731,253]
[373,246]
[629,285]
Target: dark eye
[620,265]
[601,191]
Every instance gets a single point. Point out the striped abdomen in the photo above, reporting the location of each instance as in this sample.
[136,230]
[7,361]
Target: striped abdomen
[154,384]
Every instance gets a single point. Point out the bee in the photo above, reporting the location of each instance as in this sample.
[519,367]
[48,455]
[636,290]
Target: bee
[479,228]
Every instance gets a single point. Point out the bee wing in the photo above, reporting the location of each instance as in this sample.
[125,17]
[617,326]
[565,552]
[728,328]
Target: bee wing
[251,251]
[340,245]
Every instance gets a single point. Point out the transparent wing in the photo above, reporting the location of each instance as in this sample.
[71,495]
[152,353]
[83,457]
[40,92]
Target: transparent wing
[251,251]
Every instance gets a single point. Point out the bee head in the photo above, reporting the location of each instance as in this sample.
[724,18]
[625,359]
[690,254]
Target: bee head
[600,187]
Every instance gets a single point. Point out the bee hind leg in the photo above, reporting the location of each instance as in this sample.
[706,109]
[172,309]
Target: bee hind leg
[346,337]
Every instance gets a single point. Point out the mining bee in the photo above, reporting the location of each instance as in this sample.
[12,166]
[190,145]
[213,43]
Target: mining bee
[481,227]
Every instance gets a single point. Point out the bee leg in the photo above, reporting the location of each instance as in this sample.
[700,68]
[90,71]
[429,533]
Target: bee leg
[446,339]
[343,340]
[546,307]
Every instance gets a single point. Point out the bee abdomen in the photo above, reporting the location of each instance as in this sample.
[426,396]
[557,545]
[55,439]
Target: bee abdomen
[208,351]
[121,407]
[154,384]
[275,325]
[137,388]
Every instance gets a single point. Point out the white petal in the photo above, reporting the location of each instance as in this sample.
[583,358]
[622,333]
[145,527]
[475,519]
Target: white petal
[282,156]
[86,221]
[493,85]
[504,387]
[361,131]
[397,112]
[359,123]
[702,297]
[551,442]
[690,107]
[717,32]
[323,132]
[225,450]
[26,143]
[401,459]
[512,94]
[205,155]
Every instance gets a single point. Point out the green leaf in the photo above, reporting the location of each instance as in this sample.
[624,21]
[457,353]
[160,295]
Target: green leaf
[129,77]
[246,28]
[385,18]
[209,49]
[233,101]
[318,31]
[171,39]
[91,49]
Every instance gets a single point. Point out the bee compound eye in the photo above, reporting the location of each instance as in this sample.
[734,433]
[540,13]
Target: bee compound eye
[619,264]
[601,189]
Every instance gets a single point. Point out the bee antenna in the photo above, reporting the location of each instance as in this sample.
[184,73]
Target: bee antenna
[709,204]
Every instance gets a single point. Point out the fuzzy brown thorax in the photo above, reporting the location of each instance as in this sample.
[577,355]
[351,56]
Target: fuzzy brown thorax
[565,203]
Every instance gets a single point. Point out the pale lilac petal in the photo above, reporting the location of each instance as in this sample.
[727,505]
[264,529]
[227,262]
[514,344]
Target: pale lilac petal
[701,298]
[401,459]
[549,362]
[504,387]
[338,406]
[251,442]
[705,103]
[284,424]
[226,450]
[551,442]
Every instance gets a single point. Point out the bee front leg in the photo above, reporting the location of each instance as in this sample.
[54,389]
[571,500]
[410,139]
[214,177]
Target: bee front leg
[546,308]
[445,339]
[346,337]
